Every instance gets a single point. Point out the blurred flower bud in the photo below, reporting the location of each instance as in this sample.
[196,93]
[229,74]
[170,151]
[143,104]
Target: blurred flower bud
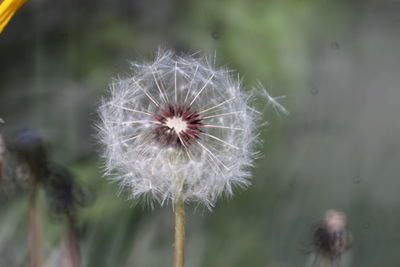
[30,150]
[63,192]
[331,238]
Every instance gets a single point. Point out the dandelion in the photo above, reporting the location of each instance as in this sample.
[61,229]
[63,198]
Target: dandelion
[178,130]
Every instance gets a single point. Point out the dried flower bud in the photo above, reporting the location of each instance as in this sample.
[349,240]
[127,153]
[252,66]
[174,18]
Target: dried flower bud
[331,238]
[63,192]
[30,150]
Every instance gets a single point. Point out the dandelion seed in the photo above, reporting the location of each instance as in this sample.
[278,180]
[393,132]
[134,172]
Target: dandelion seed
[273,101]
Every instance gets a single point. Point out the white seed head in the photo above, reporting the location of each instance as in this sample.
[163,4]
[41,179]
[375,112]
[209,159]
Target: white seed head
[178,126]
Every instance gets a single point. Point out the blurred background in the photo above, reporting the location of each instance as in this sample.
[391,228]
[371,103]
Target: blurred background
[337,62]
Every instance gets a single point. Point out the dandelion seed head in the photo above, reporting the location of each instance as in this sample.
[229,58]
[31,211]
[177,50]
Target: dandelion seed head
[178,126]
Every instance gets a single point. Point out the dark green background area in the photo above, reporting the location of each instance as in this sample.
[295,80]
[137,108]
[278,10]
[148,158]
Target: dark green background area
[337,62]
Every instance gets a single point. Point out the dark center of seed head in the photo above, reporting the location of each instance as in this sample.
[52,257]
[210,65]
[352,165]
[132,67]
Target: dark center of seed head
[179,126]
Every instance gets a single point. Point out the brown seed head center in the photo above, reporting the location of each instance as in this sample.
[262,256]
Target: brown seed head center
[179,126]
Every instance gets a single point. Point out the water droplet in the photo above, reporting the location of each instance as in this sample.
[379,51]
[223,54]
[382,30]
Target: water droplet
[292,185]
[215,35]
[314,90]
[335,45]
[356,179]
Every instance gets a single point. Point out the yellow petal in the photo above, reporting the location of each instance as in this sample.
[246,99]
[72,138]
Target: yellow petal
[7,10]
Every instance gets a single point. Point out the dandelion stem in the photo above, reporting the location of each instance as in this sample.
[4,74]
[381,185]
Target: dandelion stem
[33,227]
[70,246]
[179,232]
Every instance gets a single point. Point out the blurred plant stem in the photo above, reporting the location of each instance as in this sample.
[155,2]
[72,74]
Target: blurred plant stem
[70,246]
[33,226]
[179,232]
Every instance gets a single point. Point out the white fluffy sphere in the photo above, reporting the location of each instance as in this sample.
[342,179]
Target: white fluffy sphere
[178,127]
